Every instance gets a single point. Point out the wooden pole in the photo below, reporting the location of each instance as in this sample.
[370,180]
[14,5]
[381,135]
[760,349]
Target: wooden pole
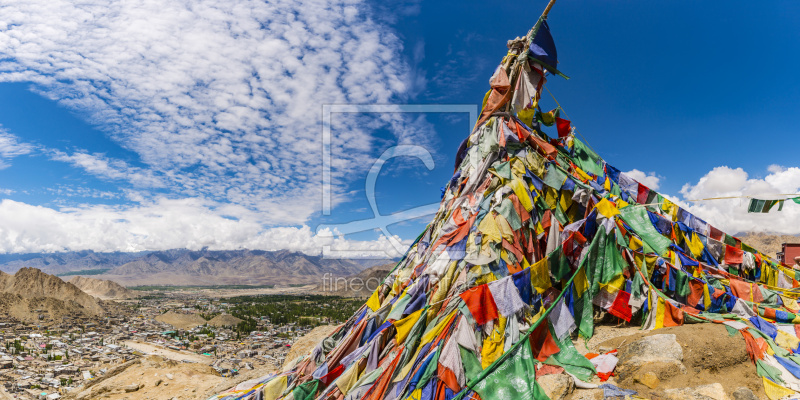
[535,29]
[513,64]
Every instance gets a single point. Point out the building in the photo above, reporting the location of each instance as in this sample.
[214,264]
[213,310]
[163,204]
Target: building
[788,252]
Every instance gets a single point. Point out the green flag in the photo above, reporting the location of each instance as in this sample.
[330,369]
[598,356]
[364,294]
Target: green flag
[306,391]
[637,218]
[587,159]
[514,378]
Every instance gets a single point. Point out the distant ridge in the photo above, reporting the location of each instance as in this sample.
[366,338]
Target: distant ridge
[190,267]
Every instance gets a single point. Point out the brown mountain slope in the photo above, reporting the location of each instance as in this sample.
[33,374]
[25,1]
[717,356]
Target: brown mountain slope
[224,320]
[31,293]
[767,243]
[181,321]
[102,289]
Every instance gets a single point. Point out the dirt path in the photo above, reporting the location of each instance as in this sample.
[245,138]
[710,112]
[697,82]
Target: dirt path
[148,348]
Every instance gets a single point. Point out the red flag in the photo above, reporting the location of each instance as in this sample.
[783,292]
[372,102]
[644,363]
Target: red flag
[733,255]
[564,127]
[620,308]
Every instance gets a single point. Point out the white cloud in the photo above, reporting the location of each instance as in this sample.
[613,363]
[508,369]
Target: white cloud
[731,214]
[160,225]
[650,180]
[11,147]
[104,167]
[220,99]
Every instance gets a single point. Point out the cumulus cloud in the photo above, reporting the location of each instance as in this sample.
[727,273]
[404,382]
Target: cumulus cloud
[731,214]
[650,180]
[164,224]
[220,99]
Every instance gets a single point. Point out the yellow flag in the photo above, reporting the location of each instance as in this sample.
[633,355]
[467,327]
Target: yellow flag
[540,276]
[519,189]
[505,228]
[374,302]
[775,391]
[493,344]
[790,304]
[583,175]
[706,297]
[488,227]
[786,340]
[274,388]
[404,325]
[695,245]
[433,333]
[565,202]
[527,114]
[660,309]
[636,243]
[581,283]
[607,208]
[614,285]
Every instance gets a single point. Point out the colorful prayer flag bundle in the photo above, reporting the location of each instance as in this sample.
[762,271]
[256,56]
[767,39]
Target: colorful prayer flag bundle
[532,234]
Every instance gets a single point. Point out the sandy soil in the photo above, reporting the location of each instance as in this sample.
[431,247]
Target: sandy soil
[148,348]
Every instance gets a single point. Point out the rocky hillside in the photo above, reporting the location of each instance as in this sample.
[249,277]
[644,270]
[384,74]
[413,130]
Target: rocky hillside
[180,320]
[767,243]
[102,289]
[30,293]
[224,320]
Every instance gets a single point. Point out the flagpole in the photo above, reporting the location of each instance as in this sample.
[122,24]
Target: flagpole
[512,64]
[535,28]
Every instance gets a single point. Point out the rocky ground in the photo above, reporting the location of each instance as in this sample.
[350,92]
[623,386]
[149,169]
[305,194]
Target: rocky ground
[700,361]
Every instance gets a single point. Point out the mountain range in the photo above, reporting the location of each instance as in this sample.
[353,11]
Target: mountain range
[189,267]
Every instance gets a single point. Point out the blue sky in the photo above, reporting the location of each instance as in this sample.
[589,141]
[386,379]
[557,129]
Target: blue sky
[141,125]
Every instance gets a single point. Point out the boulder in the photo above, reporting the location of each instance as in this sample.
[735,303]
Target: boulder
[648,379]
[556,386]
[744,393]
[588,394]
[659,356]
[131,388]
[714,391]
